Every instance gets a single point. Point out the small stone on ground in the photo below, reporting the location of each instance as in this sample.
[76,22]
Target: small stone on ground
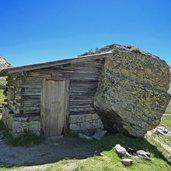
[83,136]
[127,162]
[143,154]
[99,134]
[120,150]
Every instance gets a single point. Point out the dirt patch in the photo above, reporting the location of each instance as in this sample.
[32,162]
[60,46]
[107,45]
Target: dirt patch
[50,151]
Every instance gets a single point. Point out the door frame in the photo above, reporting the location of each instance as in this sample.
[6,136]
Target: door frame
[66,124]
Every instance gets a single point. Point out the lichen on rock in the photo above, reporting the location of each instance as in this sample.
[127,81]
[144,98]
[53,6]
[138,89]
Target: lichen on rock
[132,91]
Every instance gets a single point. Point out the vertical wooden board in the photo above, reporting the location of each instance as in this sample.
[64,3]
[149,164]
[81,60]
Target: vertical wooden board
[60,107]
[66,106]
[54,107]
[42,109]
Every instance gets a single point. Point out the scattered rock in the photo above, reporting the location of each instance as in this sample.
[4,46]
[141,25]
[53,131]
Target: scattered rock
[169,133]
[167,149]
[83,136]
[162,130]
[143,154]
[131,150]
[99,134]
[132,91]
[169,158]
[121,150]
[127,162]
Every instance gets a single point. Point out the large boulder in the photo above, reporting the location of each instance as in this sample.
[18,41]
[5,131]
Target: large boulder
[132,91]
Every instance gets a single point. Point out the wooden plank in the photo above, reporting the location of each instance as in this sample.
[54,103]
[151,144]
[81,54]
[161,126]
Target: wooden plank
[31,86]
[31,93]
[55,63]
[85,112]
[54,107]
[81,109]
[83,78]
[31,116]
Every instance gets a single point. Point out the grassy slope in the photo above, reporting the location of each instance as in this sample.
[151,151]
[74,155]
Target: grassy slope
[158,139]
[168,110]
[109,160]
[166,121]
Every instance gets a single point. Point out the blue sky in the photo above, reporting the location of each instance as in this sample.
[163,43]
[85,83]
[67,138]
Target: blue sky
[33,31]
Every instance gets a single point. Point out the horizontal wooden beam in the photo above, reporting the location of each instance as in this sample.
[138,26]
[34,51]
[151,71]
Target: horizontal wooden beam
[54,63]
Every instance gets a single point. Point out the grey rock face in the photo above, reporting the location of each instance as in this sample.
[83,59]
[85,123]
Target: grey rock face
[120,150]
[127,162]
[132,91]
[4,63]
[161,129]
[143,154]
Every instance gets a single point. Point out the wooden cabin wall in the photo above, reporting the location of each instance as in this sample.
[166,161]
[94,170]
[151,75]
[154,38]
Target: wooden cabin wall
[13,116]
[31,95]
[83,78]
[13,93]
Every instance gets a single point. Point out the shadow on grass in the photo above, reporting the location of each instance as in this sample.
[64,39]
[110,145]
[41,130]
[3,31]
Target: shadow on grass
[26,139]
[110,140]
[68,147]
[49,151]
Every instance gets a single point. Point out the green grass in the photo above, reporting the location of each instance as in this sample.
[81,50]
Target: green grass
[2,97]
[108,160]
[154,138]
[109,141]
[166,121]
[25,139]
[168,109]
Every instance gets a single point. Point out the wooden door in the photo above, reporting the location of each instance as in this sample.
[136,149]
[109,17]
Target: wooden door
[54,107]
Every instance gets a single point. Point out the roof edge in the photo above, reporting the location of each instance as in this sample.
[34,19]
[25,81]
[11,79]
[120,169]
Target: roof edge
[32,67]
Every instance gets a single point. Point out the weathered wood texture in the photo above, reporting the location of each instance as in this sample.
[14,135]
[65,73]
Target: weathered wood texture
[34,67]
[54,107]
[13,93]
[83,78]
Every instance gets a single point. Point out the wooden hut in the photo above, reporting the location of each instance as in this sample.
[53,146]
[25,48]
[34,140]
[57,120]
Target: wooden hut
[53,97]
